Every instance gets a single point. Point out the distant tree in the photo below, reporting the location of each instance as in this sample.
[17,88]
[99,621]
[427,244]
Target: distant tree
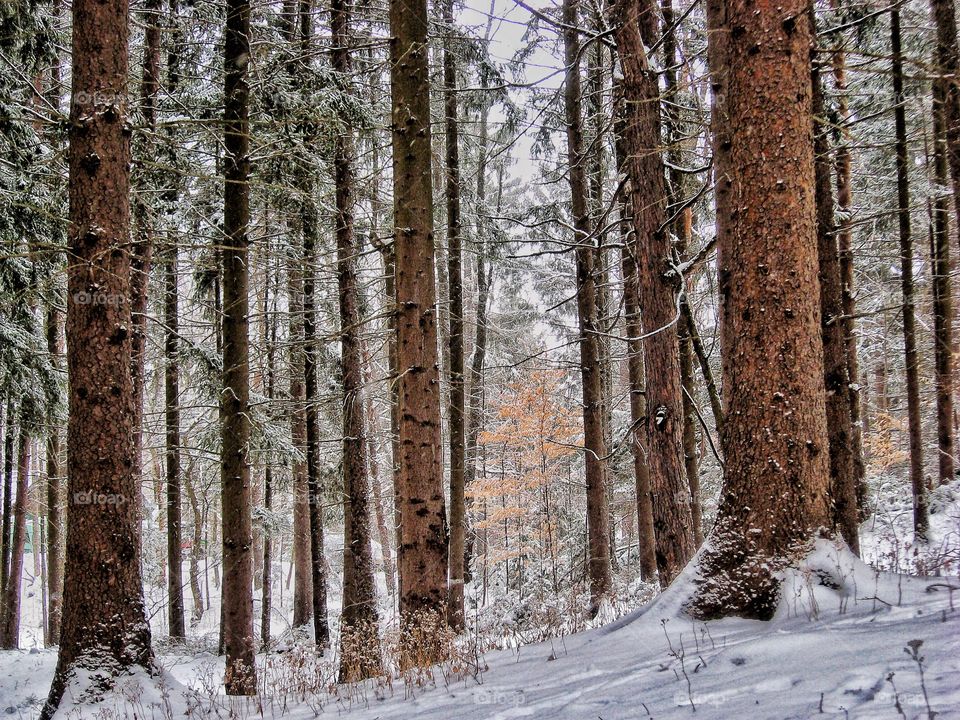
[911,358]
[595,451]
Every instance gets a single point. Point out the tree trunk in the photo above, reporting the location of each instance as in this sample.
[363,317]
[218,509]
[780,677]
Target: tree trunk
[270,340]
[595,455]
[318,571]
[302,563]
[8,463]
[940,282]
[423,548]
[309,220]
[776,450]
[671,500]
[947,65]
[54,501]
[236,494]
[360,655]
[10,626]
[682,231]
[842,162]
[104,622]
[172,419]
[458,521]
[144,222]
[596,122]
[843,482]
[911,358]
[196,613]
[474,394]
[646,540]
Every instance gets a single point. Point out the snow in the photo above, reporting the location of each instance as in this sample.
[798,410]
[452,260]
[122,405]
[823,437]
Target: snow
[847,641]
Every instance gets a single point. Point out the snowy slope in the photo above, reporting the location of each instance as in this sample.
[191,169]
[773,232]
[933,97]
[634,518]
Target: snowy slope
[831,651]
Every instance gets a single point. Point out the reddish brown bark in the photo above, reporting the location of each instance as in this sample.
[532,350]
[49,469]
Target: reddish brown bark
[423,547]
[657,285]
[843,482]
[595,455]
[104,622]
[302,578]
[359,622]
[776,474]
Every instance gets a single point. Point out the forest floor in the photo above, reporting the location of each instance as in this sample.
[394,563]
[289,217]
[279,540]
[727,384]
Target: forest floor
[848,641]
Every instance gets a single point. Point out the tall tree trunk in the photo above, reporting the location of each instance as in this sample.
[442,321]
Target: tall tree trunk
[596,122]
[311,232]
[10,626]
[474,391]
[103,541]
[423,546]
[948,67]
[911,358]
[595,455]
[940,281]
[236,494]
[646,539]
[302,562]
[671,500]
[270,340]
[54,501]
[681,230]
[318,572]
[843,482]
[858,416]
[360,656]
[144,221]
[196,613]
[172,420]
[458,520]
[776,450]
[9,429]
[171,311]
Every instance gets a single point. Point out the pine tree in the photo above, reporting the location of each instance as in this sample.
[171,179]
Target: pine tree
[423,544]
[359,631]
[595,453]
[237,621]
[775,492]
[664,421]
[103,546]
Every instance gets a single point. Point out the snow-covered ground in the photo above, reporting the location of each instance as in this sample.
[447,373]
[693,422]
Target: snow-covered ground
[848,641]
